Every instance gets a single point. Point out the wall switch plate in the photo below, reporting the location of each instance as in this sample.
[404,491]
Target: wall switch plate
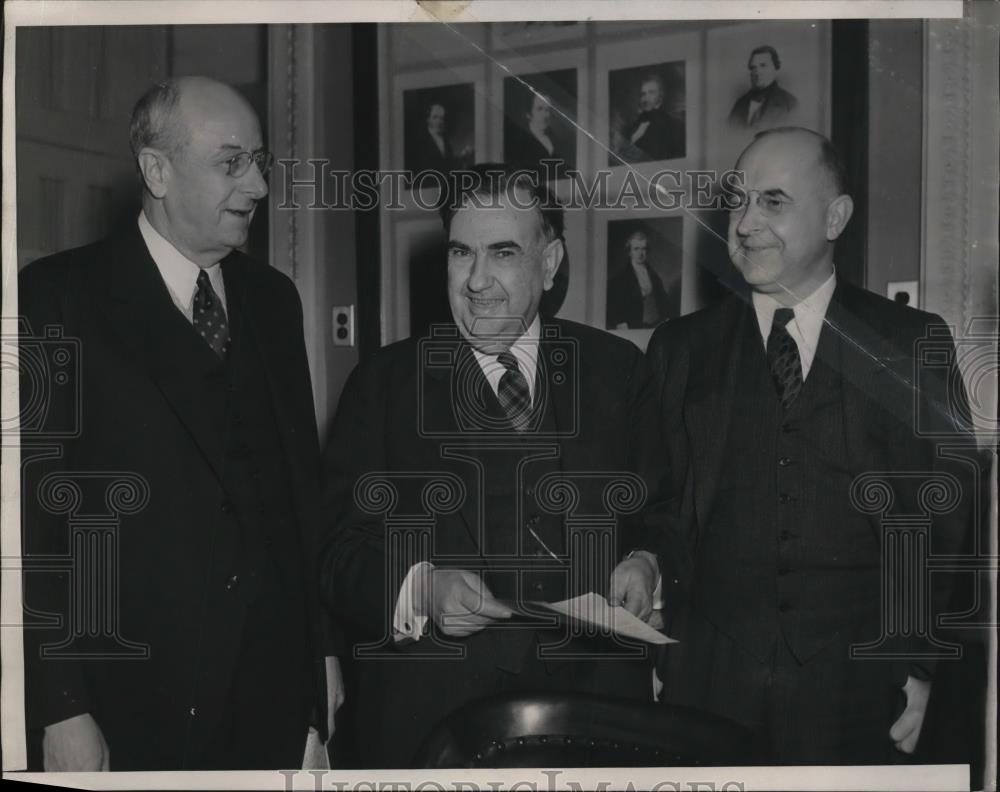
[905,292]
[343,325]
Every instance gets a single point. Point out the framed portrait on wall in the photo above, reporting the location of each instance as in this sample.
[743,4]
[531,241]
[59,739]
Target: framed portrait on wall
[540,121]
[762,75]
[647,107]
[648,103]
[442,117]
[645,272]
[645,260]
[439,128]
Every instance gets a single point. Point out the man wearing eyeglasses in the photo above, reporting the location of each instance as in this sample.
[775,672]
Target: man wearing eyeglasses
[193,385]
[773,404]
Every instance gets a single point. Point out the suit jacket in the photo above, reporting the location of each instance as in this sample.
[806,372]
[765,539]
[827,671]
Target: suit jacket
[625,298]
[525,150]
[777,102]
[664,138]
[400,416]
[892,410]
[134,409]
[423,154]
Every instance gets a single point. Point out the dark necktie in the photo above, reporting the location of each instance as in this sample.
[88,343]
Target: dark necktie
[783,358]
[209,317]
[513,393]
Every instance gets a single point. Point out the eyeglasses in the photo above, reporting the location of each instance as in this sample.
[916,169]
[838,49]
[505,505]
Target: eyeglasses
[239,164]
[769,203]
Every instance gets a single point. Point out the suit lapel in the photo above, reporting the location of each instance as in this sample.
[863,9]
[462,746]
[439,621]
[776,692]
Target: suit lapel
[451,398]
[867,371]
[250,320]
[711,401]
[161,341]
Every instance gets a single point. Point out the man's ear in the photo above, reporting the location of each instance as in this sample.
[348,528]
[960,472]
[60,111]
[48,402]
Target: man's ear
[837,214]
[551,259]
[155,169]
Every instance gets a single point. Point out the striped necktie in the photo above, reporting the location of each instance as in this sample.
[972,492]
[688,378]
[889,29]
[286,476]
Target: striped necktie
[513,393]
[783,358]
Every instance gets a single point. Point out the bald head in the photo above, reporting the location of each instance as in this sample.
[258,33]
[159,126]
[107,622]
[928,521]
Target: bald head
[811,148]
[162,118]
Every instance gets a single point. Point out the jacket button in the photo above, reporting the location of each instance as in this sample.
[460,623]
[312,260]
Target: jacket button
[784,606]
[226,507]
[539,587]
[784,461]
[785,536]
[783,571]
[232,582]
[193,712]
[784,497]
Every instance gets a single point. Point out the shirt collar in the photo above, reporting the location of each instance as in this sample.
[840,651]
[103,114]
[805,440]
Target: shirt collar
[525,349]
[179,273]
[809,312]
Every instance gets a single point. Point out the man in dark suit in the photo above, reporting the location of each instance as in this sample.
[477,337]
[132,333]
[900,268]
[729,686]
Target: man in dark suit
[465,472]
[766,102]
[636,297]
[193,463]
[656,133]
[429,148]
[790,423]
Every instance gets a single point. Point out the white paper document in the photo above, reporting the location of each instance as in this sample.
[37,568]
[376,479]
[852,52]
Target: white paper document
[593,609]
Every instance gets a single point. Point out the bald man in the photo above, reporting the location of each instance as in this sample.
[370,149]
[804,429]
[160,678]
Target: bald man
[773,405]
[194,398]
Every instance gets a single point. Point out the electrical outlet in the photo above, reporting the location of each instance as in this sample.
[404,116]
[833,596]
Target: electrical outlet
[905,292]
[343,325]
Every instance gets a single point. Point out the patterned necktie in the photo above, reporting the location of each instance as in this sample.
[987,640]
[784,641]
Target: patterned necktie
[513,393]
[783,358]
[209,317]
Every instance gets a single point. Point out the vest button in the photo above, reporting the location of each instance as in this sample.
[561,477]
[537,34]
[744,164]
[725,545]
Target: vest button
[539,587]
[783,571]
[784,606]
[226,507]
[784,461]
[785,535]
[232,582]
[784,497]
[529,491]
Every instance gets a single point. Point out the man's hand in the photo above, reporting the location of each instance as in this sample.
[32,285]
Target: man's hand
[458,601]
[75,745]
[633,582]
[906,730]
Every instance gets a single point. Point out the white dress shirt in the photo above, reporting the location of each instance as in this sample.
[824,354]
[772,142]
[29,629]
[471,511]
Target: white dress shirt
[406,622]
[807,324]
[179,273]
